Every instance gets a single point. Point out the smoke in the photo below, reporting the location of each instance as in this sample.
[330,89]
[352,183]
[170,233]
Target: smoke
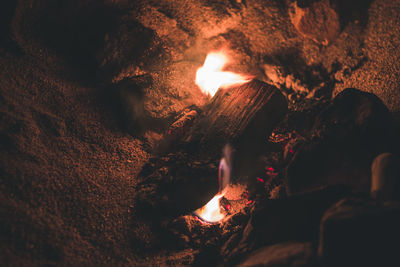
[225,167]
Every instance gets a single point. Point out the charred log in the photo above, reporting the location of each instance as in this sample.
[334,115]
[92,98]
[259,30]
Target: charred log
[187,177]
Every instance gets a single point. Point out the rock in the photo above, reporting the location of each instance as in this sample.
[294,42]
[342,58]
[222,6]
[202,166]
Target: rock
[345,138]
[282,254]
[385,171]
[317,20]
[294,218]
[359,232]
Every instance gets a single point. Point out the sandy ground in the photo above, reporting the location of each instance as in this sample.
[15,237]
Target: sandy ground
[68,169]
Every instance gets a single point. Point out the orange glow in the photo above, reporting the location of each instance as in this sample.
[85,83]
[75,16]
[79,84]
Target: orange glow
[210,76]
[211,212]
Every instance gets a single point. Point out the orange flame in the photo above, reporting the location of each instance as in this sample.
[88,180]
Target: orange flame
[210,76]
[212,212]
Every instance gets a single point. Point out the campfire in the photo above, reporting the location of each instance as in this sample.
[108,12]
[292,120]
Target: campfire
[200,133]
[236,114]
[210,77]
[242,111]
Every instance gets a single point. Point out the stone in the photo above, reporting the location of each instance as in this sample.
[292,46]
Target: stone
[344,140]
[280,220]
[317,20]
[360,232]
[282,254]
[385,182]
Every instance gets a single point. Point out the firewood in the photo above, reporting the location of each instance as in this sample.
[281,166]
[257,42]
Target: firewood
[186,176]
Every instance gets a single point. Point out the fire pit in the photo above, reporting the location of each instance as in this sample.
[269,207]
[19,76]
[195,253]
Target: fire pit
[241,113]
[204,133]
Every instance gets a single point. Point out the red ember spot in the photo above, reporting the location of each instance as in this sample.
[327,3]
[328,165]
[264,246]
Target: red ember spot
[169,131]
[291,151]
[227,207]
[260,180]
[249,202]
[270,169]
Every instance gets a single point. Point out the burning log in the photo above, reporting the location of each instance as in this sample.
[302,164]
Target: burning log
[243,116]
[185,178]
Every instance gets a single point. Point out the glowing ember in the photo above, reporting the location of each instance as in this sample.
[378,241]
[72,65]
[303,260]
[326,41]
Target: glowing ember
[210,76]
[260,180]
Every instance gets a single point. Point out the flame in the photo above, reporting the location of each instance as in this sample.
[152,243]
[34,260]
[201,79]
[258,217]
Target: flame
[212,212]
[210,76]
